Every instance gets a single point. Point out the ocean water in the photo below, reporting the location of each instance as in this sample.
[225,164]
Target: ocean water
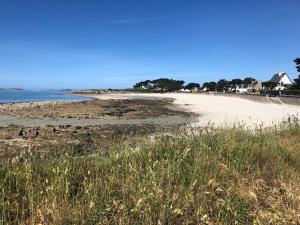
[12,96]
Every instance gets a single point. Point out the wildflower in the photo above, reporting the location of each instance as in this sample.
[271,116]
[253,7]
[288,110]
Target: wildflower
[205,219]
[178,211]
[92,204]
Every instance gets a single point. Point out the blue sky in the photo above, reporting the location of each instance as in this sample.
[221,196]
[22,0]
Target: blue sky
[101,44]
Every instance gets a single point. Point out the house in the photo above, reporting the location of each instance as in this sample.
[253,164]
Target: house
[256,86]
[195,90]
[184,90]
[204,89]
[282,80]
[242,89]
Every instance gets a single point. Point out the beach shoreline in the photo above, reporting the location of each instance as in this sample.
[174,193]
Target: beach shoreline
[95,111]
[220,110]
[209,109]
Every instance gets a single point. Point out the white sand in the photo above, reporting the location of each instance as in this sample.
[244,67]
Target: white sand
[223,110]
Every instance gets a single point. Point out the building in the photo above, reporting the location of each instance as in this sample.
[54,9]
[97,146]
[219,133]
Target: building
[256,86]
[282,80]
[242,89]
[185,90]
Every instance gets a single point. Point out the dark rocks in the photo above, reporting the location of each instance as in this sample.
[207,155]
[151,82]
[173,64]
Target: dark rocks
[117,112]
[29,132]
[113,112]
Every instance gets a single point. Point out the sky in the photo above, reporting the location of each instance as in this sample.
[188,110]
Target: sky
[114,44]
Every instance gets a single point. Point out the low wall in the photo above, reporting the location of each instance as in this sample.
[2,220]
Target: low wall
[291,100]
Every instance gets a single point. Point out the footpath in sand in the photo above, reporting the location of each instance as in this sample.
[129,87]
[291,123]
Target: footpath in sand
[223,110]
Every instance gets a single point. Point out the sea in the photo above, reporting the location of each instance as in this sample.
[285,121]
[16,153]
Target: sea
[14,96]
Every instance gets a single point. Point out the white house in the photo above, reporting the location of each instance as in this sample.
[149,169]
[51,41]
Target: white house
[242,89]
[185,90]
[282,80]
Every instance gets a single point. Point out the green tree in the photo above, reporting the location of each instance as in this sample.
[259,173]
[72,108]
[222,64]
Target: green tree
[236,82]
[297,61]
[296,84]
[269,85]
[211,86]
[167,85]
[191,86]
[248,81]
[147,84]
[222,85]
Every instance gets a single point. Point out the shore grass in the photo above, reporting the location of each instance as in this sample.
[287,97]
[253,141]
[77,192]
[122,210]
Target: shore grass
[225,176]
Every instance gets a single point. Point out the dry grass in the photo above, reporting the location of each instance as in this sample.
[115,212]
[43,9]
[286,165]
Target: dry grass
[231,176]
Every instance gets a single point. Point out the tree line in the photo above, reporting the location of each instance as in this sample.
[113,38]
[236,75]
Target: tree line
[171,85]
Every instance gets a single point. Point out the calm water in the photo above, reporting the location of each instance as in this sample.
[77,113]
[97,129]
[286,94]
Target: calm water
[35,96]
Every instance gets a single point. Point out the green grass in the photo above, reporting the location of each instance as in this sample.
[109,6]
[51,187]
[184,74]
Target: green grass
[228,176]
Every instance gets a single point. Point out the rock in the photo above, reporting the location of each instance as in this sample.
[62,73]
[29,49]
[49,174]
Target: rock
[113,112]
[29,132]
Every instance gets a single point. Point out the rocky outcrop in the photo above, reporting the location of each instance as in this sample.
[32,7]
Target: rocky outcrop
[29,132]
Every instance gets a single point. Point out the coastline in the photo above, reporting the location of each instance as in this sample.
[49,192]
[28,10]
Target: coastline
[223,111]
[39,97]
[208,109]
[96,111]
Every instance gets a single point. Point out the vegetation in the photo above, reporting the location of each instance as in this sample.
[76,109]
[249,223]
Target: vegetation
[210,86]
[192,86]
[269,85]
[297,61]
[222,85]
[297,81]
[162,84]
[235,82]
[231,176]
[248,81]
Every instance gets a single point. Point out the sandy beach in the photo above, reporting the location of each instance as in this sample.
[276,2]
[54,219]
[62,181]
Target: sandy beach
[222,110]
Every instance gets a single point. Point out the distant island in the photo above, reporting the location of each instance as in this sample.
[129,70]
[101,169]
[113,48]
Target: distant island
[11,89]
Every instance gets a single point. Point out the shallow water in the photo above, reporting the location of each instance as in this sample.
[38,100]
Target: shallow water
[13,96]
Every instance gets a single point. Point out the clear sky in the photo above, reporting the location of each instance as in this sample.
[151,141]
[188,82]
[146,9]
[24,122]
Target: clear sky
[101,44]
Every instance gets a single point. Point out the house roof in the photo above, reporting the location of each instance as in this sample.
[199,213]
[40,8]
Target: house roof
[277,77]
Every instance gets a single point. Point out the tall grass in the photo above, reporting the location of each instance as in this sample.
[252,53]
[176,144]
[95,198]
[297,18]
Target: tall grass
[229,176]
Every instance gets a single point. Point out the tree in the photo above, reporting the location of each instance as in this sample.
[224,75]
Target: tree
[191,86]
[297,61]
[147,84]
[164,84]
[248,81]
[236,82]
[222,85]
[211,86]
[269,85]
[296,84]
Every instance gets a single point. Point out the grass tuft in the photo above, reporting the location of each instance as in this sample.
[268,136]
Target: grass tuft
[225,176]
